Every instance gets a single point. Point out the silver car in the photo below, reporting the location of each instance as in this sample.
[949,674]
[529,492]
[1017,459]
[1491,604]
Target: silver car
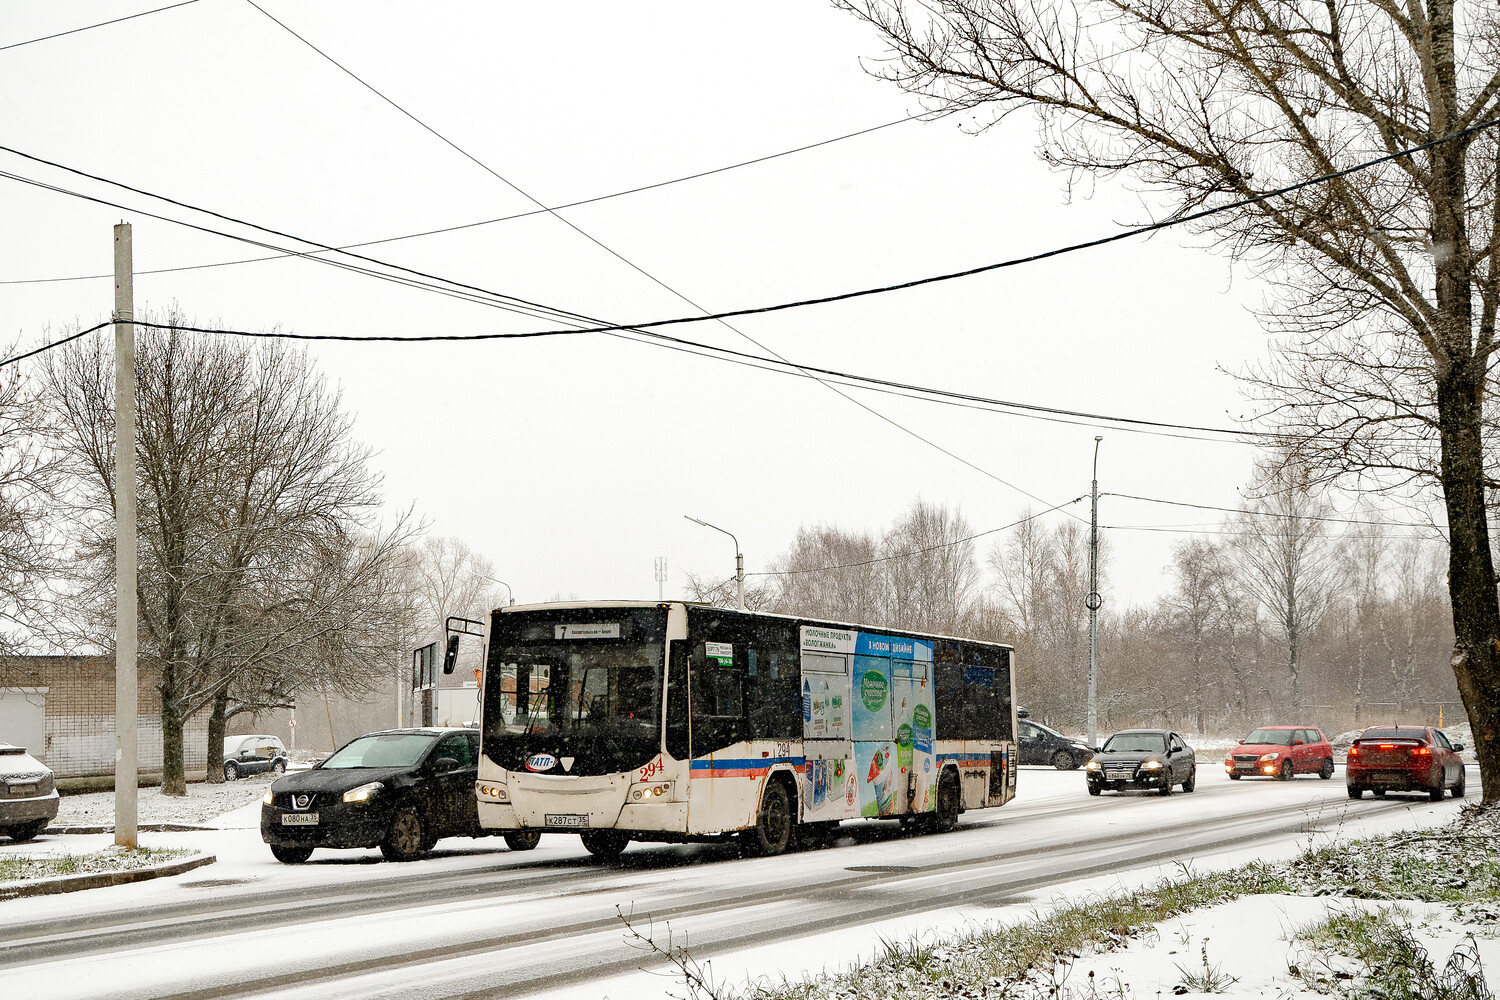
[28,795]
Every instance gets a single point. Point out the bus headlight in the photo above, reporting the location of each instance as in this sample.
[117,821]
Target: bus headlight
[647,793]
[493,792]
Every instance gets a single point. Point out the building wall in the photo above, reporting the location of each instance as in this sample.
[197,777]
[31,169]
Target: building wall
[78,719]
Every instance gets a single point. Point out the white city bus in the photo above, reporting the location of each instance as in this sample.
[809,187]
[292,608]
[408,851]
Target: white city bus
[646,721]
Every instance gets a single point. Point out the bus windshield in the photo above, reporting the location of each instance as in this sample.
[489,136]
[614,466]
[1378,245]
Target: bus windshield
[590,693]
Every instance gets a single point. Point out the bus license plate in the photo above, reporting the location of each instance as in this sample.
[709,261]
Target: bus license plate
[299,819]
[572,820]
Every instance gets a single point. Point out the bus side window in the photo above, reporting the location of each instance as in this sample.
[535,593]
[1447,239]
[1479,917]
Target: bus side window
[773,685]
[677,703]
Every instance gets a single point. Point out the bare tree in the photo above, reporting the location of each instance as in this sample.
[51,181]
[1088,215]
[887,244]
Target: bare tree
[930,568]
[28,559]
[452,579]
[1041,580]
[831,573]
[251,490]
[1199,610]
[1284,558]
[1385,281]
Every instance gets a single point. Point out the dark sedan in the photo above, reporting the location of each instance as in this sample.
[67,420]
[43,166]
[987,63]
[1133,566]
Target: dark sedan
[399,790]
[1143,759]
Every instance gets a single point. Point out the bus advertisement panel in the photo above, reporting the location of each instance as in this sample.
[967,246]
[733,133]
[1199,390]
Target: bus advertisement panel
[674,722]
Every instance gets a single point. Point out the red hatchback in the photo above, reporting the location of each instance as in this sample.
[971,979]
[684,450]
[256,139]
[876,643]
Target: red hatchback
[1280,752]
[1404,759]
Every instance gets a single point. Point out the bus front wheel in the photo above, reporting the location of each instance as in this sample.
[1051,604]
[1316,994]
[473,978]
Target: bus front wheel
[772,833]
[605,844]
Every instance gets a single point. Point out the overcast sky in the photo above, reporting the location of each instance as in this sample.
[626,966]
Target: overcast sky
[570,461]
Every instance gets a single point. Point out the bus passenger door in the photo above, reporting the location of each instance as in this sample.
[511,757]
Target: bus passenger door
[829,791]
[912,710]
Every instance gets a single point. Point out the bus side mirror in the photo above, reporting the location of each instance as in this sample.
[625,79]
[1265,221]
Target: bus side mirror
[450,657]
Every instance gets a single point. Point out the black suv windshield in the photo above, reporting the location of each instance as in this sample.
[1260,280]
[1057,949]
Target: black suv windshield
[382,750]
[1136,743]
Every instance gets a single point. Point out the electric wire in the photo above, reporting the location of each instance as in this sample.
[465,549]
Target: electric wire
[1270,513]
[90,27]
[628,262]
[774,366]
[530,213]
[797,303]
[925,549]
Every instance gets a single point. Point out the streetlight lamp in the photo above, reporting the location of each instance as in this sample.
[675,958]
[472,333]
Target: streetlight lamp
[502,583]
[739,559]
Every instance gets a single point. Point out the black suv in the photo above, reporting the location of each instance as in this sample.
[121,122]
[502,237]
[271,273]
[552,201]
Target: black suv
[399,790]
[1040,745]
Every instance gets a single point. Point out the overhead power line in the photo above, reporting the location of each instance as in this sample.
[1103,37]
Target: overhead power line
[90,27]
[627,261]
[782,366]
[513,217]
[756,310]
[925,549]
[1271,513]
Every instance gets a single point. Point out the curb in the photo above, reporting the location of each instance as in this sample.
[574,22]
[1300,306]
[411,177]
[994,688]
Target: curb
[145,827]
[99,880]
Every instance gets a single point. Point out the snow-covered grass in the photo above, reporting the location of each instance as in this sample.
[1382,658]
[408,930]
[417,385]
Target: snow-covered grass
[112,859]
[1409,916]
[202,803]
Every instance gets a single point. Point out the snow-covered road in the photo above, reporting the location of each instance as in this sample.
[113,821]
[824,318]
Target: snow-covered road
[475,919]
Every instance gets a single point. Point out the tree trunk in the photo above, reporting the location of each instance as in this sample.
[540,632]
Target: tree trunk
[1471,571]
[217,722]
[173,779]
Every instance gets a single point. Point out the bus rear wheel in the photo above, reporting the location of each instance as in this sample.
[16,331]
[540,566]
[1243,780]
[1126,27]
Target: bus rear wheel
[772,833]
[945,814]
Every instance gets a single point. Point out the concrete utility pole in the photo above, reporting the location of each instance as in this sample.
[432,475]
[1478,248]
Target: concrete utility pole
[739,559]
[1093,601]
[126,757]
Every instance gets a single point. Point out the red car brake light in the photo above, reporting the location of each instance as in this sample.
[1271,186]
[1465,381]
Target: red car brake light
[1354,751]
[1420,751]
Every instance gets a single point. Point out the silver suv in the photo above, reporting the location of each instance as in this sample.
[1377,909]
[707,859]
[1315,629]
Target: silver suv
[28,795]
[252,755]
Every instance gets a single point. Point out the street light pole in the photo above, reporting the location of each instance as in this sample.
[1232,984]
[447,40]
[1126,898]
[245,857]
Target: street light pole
[739,559]
[1093,601]
[508,592]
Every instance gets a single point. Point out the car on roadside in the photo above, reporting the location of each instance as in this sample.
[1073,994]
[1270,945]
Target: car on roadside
[1404,759]
[400,790]
[1143,759]
[1041,745]
[28,794]
[1281,752]
[253,755]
